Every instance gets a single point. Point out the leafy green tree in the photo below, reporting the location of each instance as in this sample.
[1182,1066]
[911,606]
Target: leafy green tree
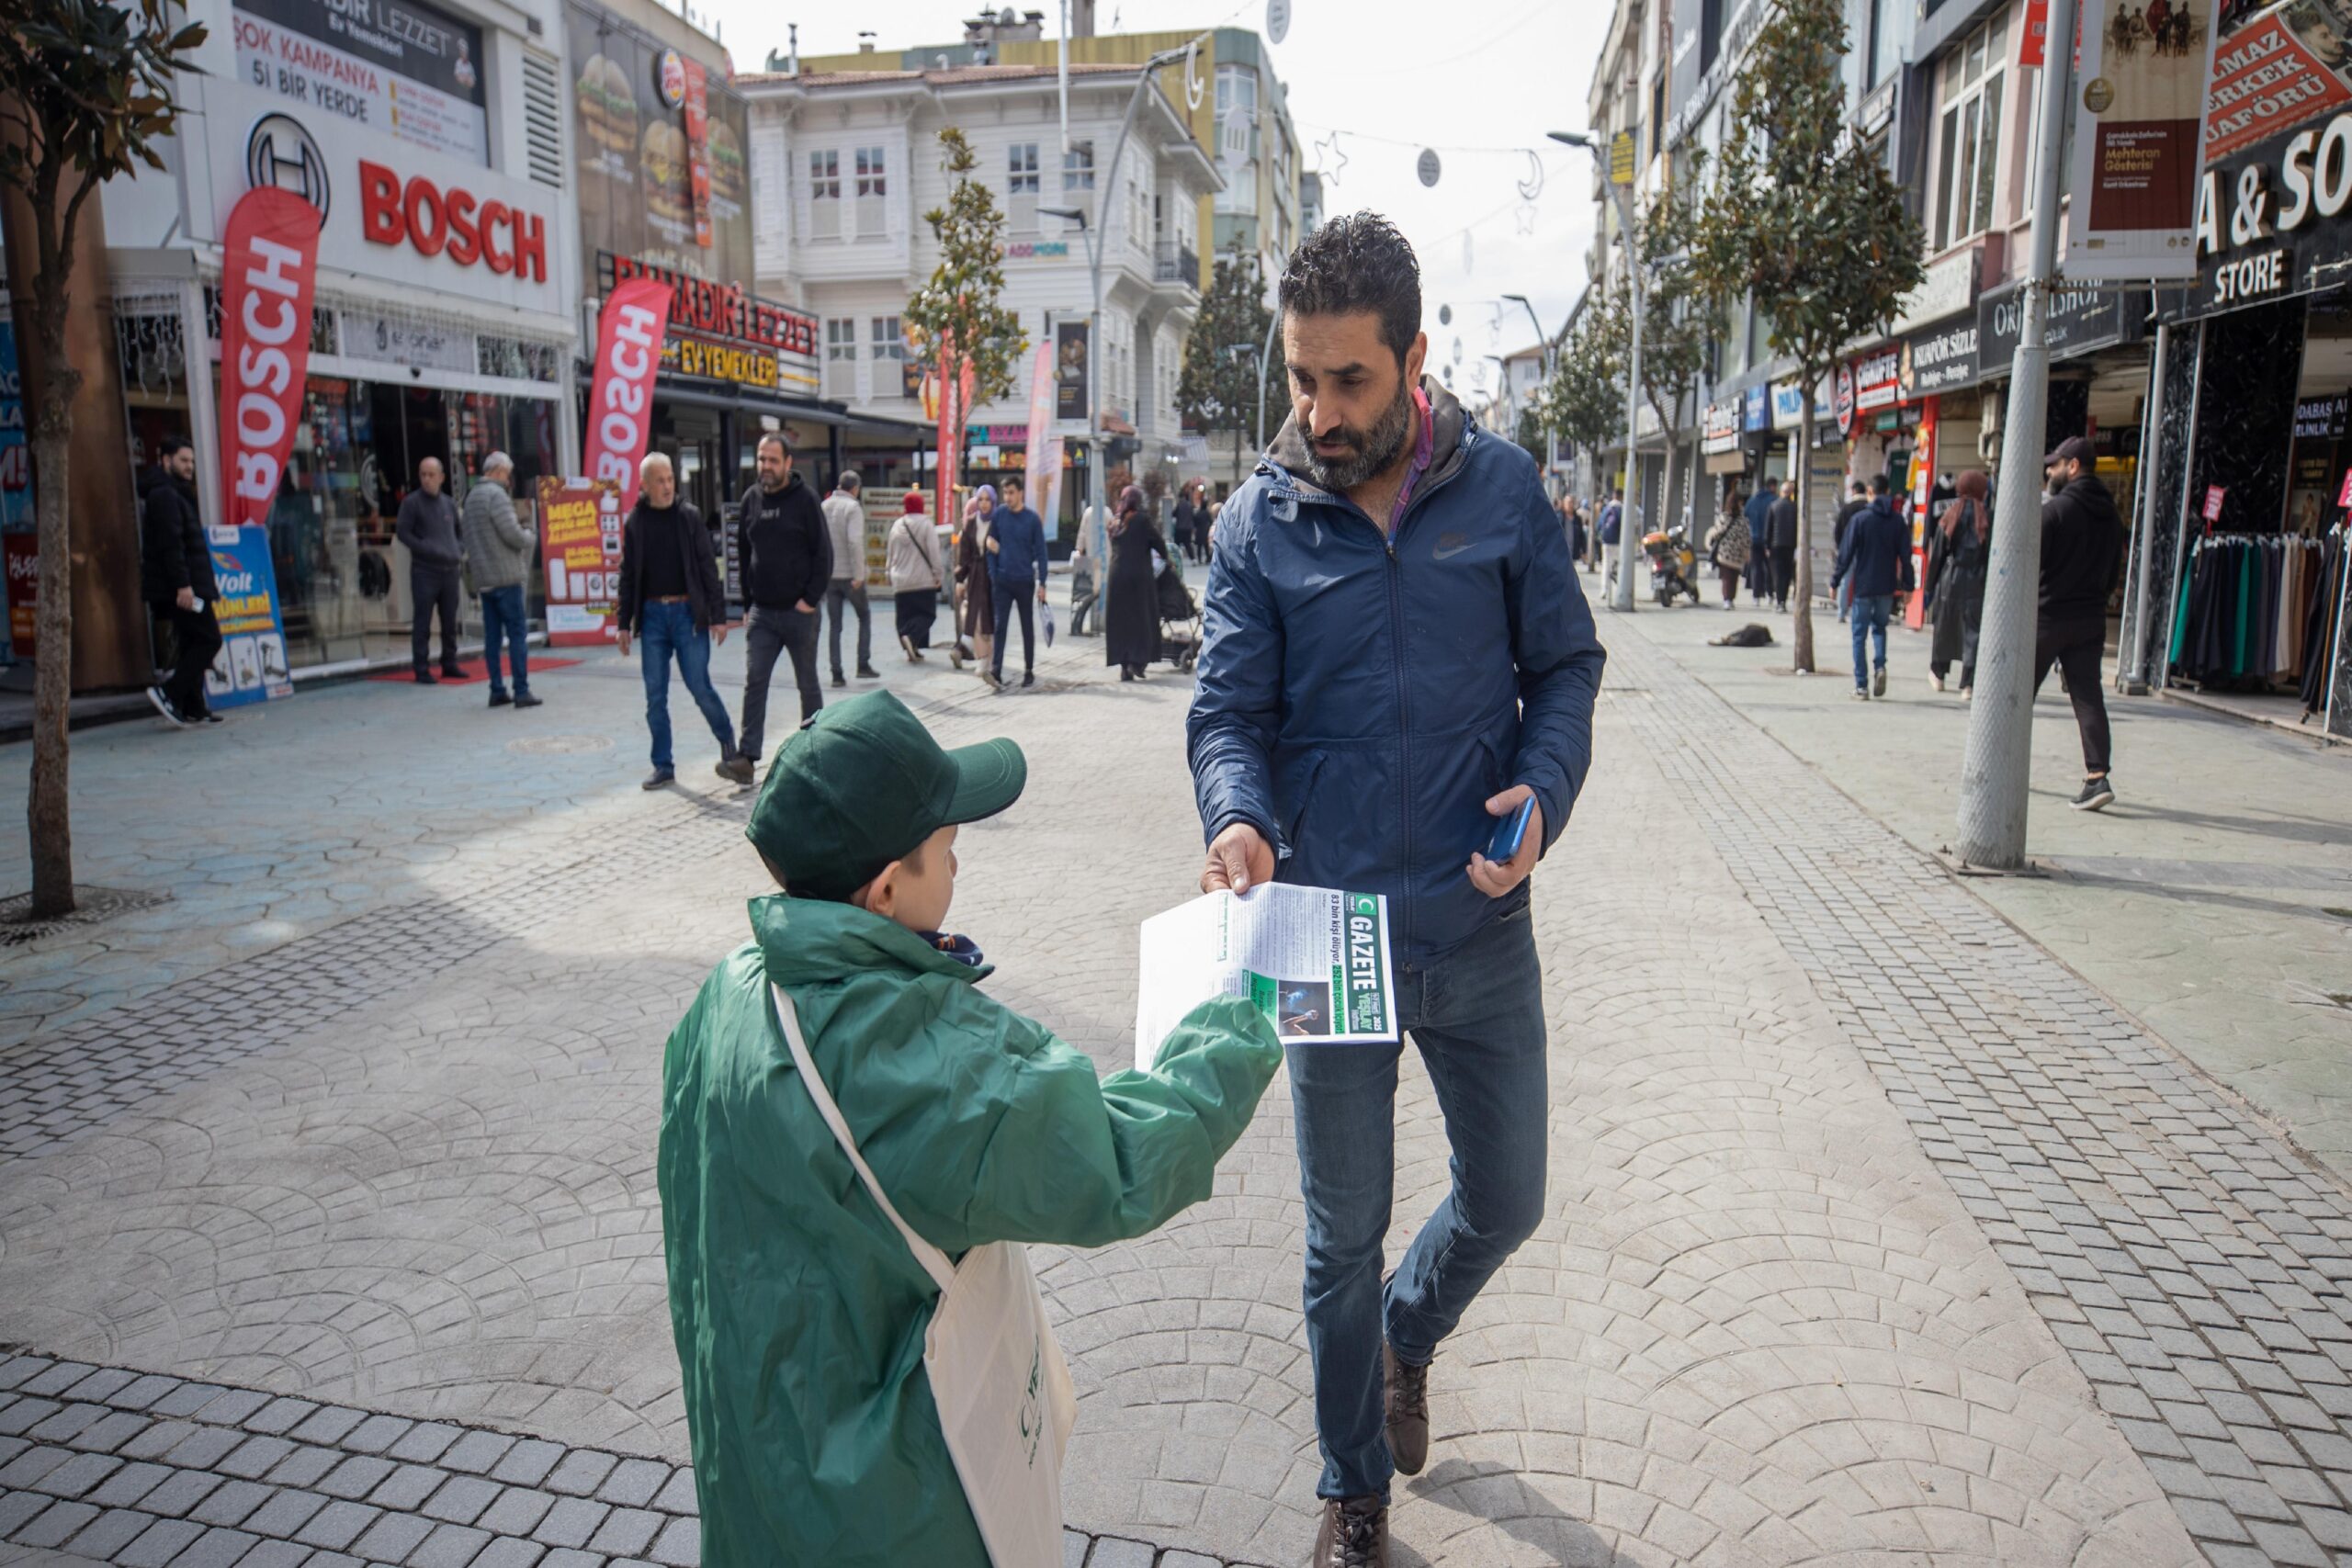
[1585,400]
[86,94]
[1680,316]
[1530,431]
[1220,386]
[1806,222]
[958,319]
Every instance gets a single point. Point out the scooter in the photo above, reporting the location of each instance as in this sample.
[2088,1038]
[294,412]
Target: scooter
[1673,566]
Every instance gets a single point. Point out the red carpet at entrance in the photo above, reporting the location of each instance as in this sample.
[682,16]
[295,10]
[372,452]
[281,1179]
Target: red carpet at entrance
[474,670]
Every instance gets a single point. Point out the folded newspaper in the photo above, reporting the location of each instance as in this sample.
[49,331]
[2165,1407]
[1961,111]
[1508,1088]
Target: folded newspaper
[1313,960]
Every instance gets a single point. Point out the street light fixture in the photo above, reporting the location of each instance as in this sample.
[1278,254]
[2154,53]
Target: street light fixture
[1621,597]
[1551,438]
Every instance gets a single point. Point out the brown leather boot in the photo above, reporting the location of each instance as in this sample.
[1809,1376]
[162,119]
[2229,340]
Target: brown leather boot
[1354,1534]
[1407,1390]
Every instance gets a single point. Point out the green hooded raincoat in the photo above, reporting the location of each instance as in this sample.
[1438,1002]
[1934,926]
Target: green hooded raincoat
[799,1314]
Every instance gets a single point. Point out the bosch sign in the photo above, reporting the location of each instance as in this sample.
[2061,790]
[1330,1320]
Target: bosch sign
[432,221]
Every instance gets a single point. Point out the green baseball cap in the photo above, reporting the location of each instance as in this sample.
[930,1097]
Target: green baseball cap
[862,784]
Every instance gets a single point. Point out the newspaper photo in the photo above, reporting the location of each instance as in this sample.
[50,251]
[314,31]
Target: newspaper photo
[1313,960]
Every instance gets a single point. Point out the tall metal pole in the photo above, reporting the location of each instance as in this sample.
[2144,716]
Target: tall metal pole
[2132,678]
[1628,536]
[1266,357]
[1997,764]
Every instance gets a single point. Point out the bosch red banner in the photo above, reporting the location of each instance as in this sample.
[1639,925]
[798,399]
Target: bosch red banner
[620,405]
[269,266]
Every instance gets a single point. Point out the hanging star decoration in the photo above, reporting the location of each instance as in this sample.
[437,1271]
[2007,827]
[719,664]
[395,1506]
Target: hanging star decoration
[1526,214]
[1330,157]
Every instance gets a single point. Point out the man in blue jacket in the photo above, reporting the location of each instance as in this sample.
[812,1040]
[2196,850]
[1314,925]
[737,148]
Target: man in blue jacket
[1876,553]
[1016,576]
[1397,653]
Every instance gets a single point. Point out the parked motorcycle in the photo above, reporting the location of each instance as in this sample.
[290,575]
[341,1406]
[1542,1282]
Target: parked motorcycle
[1674,565]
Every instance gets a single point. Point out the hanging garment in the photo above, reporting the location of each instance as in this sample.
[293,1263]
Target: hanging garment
[2319,623]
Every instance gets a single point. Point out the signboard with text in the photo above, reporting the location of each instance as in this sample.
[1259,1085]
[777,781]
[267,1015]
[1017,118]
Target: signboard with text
[251,666]
[580,541]
[1069,370]
[2139,91]
[401,69]
[719,332]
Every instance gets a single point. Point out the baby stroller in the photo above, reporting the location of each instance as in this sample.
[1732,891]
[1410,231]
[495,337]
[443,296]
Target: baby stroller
[1179,616]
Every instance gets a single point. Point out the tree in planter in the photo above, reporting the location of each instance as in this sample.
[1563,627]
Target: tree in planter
[1807,223]
[1218,387]
[957,318]
[87,96]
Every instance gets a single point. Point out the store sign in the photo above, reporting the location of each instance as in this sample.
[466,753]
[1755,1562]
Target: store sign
[1946,288]
[398,340]
[1940,361]
[620,405]
[1719,430]
[2034,46]
[15,456]
[2080,320]
[1878,380]
[251,666]
[2321,419]
[1755,410]
[2267,79]
[719,333]
[1842,399]
[580,541]
[1036,250]
[396,70]
[2140,102]
[1069,370]
[268,273]
[456,223]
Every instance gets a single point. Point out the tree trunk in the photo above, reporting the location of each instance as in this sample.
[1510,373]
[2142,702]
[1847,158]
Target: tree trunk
[1801,592]
[47,816]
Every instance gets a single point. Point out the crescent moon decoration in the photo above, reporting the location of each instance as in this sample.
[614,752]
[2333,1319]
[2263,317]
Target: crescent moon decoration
[1195,86]
[1533,185]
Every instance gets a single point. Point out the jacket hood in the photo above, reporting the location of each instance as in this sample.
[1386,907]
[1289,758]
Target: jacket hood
[1288,451]
[806,941]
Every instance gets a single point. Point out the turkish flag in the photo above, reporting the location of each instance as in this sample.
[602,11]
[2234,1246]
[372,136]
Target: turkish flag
[621,403]
[268,273]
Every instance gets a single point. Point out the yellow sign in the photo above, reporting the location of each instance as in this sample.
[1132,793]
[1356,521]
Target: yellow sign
[1621,158]
[746,366]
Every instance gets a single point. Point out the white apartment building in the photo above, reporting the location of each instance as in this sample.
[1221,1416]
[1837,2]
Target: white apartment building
[845,164]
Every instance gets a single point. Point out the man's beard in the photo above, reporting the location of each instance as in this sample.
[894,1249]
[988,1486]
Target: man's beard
[1374,450]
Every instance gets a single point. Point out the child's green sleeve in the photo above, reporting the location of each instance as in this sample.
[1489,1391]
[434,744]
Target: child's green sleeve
[1085,1161]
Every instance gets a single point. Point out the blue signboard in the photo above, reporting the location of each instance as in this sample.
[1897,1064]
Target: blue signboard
[1757,410]
[251,666]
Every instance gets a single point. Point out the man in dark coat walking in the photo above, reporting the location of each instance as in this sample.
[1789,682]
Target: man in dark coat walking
[787,554]
[2082,543]
[1876,559]
[176,579]
[1855,504]
[1758,512]
[1782,523]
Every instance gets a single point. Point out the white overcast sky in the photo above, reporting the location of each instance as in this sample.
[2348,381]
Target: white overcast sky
[1485,74]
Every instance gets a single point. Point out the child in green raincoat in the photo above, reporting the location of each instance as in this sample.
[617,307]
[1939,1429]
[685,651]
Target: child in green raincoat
[798,1310]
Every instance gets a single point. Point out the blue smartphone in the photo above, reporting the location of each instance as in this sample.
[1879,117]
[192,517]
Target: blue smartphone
[1511,832]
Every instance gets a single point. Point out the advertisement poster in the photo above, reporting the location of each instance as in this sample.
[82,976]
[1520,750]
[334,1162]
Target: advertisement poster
[640,192]
[251,666]
[2140,93]
[23,554]
[399,68]
[2272,71]
[1069,370]
[579,540]
[620,402]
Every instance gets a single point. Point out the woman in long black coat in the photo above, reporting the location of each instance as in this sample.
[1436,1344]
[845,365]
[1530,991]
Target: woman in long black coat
[1131,598]
[1959,562]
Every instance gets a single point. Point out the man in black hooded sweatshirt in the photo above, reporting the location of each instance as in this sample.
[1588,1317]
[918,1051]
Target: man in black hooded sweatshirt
[176,579]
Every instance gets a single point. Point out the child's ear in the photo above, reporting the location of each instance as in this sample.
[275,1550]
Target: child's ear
[881,897]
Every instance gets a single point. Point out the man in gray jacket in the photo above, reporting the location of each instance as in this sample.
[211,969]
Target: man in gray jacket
[428,526]
[845,523]
[498,553]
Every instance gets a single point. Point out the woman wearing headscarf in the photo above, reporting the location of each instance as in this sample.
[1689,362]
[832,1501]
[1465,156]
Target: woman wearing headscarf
[1131,597]
[912,552]
[1960,552]
[978,622]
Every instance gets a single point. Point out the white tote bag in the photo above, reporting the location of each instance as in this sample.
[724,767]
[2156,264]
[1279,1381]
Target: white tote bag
[1005,1401]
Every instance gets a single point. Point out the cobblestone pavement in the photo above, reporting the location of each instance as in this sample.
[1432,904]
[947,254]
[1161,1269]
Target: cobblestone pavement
[1857,1252]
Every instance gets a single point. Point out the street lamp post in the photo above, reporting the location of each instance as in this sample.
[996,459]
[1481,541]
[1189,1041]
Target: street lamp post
[1621,595]
[1551,437]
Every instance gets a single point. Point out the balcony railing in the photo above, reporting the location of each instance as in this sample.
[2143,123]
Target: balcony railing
[1173,263]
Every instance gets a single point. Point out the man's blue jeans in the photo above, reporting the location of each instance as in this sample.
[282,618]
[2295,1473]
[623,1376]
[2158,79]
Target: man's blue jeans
[505,616]
[669,631]
[1476,1016]
[1871,613]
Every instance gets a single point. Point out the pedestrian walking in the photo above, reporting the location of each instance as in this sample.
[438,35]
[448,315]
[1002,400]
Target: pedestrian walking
[787,565]
[1780,524]
[1728,547]
[1856,502]
[1758,512]
[1876,557]
[1131,597]
[671,604]
[1960,553]
[1017,565]
[1088,566]
[2082,543]
[1572,526]
[1380,507]
[1183,520]
[498,557]
[176,579]
[845,591]
[427,524]
[1612,526]
[855,1141]
[978,622]
[916,576]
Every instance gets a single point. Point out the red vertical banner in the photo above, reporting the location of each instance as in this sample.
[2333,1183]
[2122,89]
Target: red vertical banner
[2033,48]
[1923,489]
[268,271]
[698,106]
[620,402]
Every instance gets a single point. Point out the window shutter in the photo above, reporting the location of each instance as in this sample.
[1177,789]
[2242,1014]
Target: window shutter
[542,120]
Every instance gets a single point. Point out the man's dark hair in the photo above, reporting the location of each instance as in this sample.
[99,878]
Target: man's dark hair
[1878,484]
[1014,481]
[776,438]
[1358,263]
[171,446]
[1860,489]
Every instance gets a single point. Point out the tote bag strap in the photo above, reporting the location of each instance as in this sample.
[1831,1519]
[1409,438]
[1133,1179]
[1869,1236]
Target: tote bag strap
[934,1262]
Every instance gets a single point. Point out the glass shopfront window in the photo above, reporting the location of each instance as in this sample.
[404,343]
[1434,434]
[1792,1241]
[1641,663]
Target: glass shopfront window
[342,579]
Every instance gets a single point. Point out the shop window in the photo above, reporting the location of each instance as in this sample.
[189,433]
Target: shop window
[887,343]
[1078,176]
[872,185]
[1020,187]
[840,358]
[825,194]
[1968,135]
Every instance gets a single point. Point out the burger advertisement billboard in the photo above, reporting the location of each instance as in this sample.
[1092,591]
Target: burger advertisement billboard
[637,109]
